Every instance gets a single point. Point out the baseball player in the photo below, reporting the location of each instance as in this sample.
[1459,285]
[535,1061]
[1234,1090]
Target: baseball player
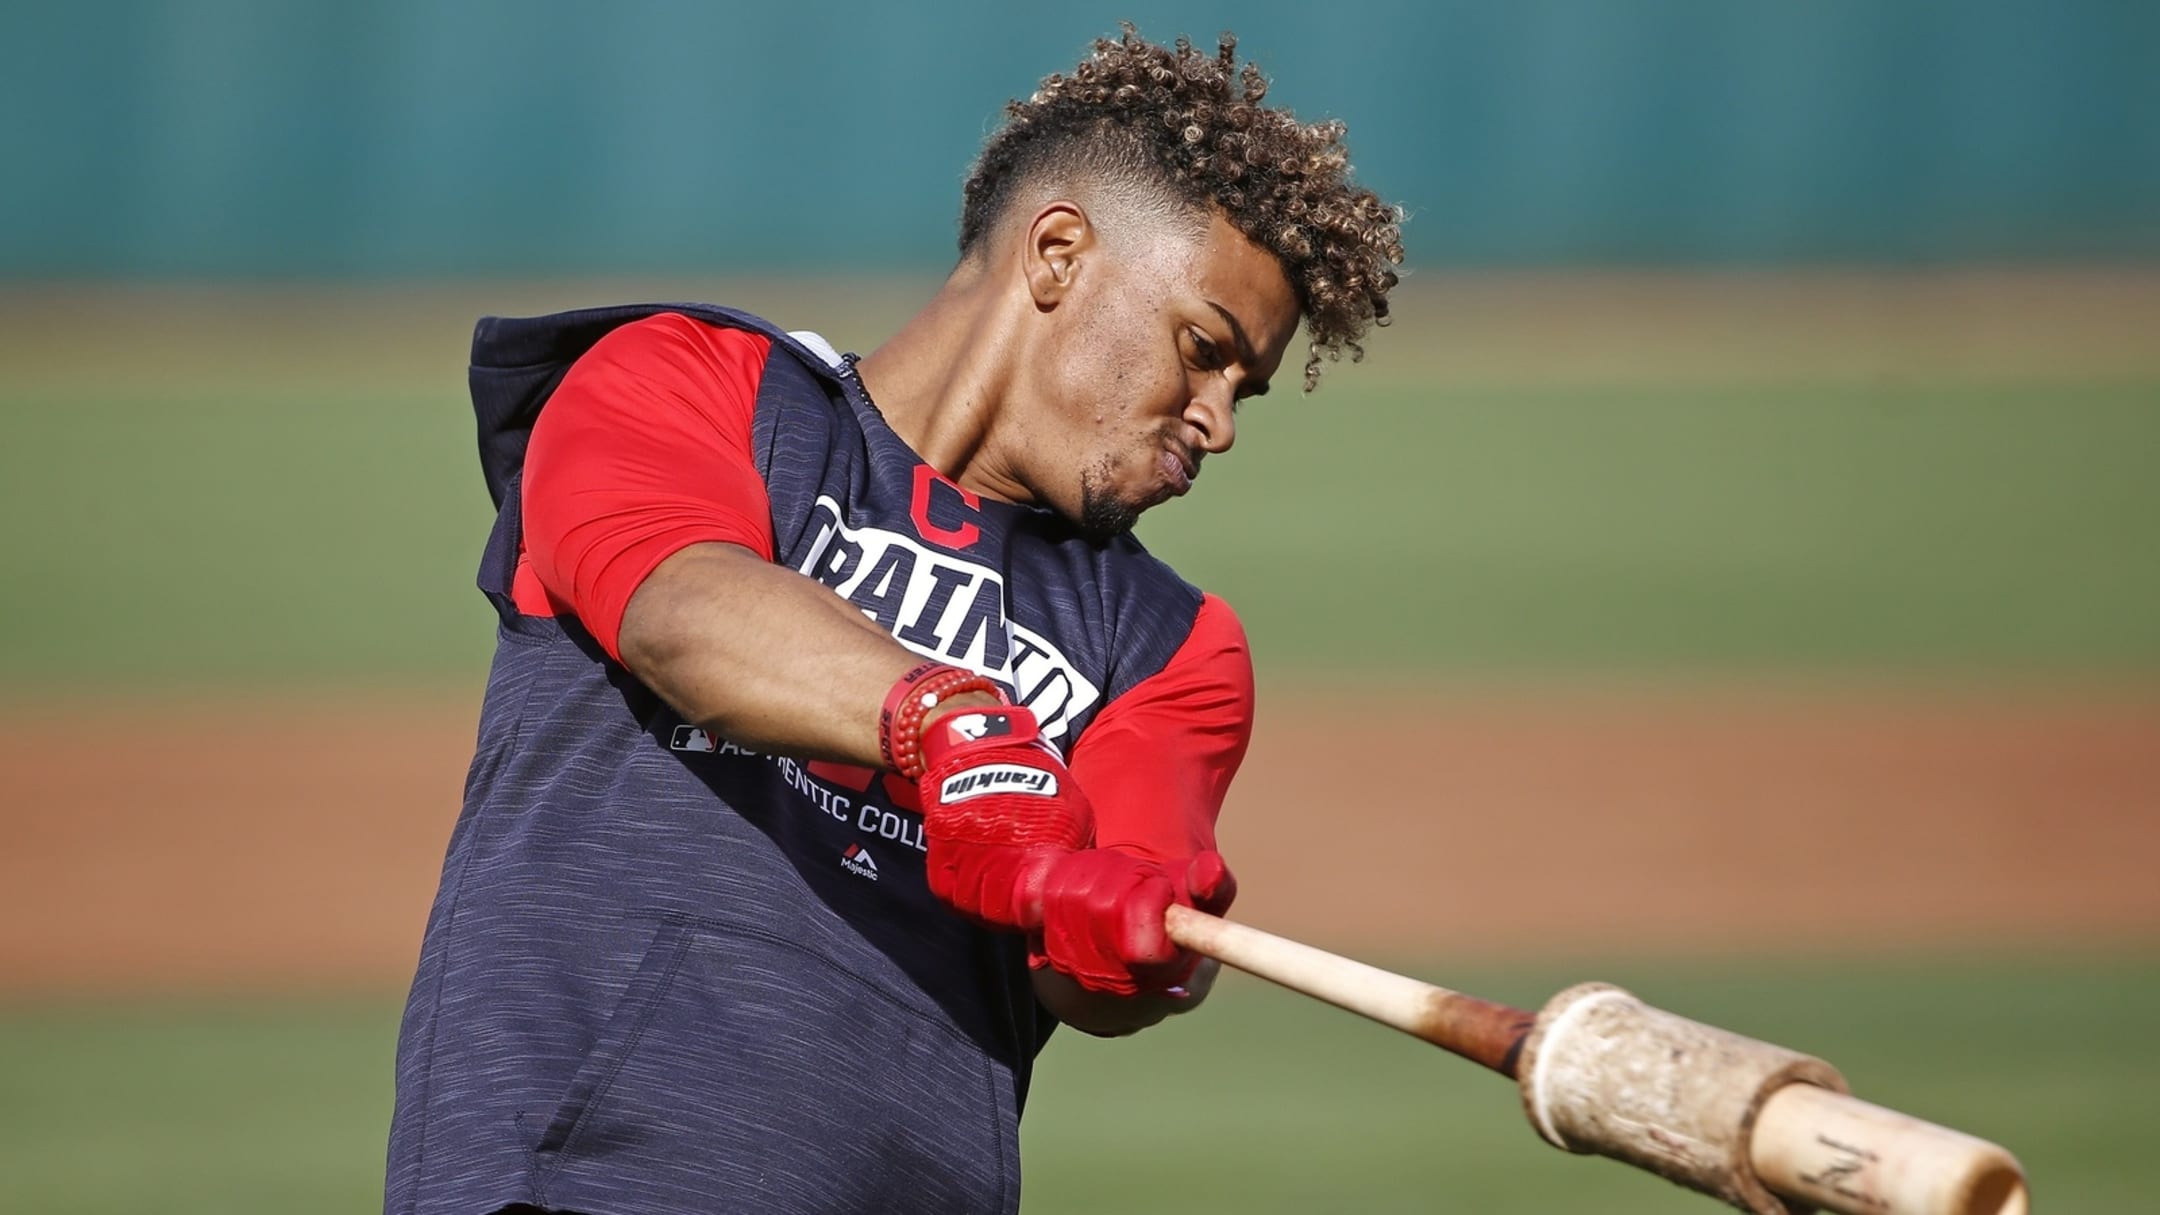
[841,741]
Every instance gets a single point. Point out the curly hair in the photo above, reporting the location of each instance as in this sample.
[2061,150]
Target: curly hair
[1171,119]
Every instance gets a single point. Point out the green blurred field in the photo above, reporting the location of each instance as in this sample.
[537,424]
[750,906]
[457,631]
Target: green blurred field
[1265,1103]
[331,535]
[245,518]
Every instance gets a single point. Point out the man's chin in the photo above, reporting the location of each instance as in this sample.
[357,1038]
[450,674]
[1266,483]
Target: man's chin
[1104,517]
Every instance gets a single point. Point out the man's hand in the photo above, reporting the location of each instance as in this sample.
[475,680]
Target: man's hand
[1103,912]
[999,811]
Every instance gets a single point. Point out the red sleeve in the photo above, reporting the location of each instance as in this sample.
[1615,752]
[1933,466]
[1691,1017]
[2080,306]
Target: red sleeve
[1158,760]
[642,451]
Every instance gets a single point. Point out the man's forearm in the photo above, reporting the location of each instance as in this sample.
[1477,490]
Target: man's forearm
[774,661]
[762,655]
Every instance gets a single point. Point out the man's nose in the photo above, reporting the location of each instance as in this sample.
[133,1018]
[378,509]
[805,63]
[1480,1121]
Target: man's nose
[1212,413]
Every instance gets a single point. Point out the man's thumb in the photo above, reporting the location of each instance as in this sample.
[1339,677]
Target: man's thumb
[1209,883]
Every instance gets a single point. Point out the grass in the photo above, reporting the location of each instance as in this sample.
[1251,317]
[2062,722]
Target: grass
[1263,1102]
[236,1107]
[310,536]
[1830,527]
[241,540]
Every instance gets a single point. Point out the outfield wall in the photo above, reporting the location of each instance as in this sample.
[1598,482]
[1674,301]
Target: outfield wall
[254,137]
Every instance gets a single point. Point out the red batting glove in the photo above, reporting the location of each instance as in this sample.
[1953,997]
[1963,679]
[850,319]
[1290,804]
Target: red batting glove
[999,809]
[1209,884]
[1103,912]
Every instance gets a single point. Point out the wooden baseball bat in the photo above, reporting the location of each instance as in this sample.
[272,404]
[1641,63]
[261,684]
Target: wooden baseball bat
[1803,1143]
[1484,1032]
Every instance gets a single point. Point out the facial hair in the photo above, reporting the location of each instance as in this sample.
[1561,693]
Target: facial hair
[1103,516]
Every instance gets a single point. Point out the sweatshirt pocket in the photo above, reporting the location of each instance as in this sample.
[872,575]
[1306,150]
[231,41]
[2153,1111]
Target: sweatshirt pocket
[740,1071]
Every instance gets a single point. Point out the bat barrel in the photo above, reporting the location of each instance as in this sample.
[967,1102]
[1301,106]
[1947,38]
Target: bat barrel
[1767,1129]
[1843,1154]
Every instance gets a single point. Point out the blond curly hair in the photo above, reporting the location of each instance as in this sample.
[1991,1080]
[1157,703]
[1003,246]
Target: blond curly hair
[1194,126]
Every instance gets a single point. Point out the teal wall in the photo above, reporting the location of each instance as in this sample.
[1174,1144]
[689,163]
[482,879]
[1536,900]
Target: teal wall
[400,137]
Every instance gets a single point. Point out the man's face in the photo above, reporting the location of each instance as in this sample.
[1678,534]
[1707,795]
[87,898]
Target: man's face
[1152,351]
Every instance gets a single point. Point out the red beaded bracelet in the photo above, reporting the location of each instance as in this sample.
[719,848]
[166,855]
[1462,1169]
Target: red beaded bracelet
[900,722]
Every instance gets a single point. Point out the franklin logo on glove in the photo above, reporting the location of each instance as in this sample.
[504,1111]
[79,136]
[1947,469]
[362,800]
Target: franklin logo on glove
[998,778]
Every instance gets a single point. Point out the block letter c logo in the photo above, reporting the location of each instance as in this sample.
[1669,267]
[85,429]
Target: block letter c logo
[927,479]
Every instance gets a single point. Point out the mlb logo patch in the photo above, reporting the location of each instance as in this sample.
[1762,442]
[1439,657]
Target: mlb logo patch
[692,738]
[977,726]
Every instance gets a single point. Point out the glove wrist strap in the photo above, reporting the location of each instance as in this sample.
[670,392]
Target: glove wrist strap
[900,721]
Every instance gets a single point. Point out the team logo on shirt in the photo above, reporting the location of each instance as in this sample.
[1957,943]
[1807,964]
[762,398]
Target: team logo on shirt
[945,608]
[923,510]
[858,861]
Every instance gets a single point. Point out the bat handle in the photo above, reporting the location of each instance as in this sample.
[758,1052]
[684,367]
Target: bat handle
[1486,1033]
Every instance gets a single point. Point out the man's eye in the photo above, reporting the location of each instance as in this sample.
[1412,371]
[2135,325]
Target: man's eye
[1204,352]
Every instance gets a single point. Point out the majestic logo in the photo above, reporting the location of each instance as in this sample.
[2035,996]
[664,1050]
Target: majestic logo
[997,778]
[858,861]
[977,726]
[945,608]
[691,738]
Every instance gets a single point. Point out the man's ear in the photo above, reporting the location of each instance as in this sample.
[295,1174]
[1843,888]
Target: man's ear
[1058,238]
